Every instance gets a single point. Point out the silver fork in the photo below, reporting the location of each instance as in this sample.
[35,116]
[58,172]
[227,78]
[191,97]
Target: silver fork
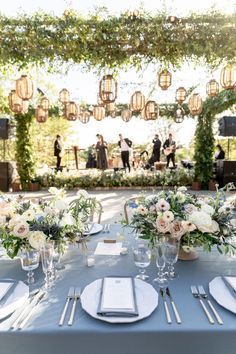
[197,296]
[76,297]
[204,296]
[70,296]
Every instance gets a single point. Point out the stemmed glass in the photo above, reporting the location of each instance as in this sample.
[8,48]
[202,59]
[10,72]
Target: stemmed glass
[29,262]
[171,255]
[142,258]
[160,250]
[47,252]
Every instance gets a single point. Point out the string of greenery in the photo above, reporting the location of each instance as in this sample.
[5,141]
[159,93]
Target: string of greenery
[105,41]
[204,137]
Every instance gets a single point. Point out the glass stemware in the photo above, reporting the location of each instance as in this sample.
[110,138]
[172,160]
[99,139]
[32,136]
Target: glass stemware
[171,255]
[29,262]
[160,263]
[47,252]
[142,258]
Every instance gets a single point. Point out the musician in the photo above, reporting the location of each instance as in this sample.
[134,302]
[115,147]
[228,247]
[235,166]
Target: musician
[170,147]
[125,144]
[156,152]
[58,151]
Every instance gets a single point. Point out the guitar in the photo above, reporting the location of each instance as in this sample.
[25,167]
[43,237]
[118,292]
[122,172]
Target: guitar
[170,150]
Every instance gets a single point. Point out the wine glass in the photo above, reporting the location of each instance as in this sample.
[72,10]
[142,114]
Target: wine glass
[160,262]
[171,255]
[29,262]
[47,252]
[142,258]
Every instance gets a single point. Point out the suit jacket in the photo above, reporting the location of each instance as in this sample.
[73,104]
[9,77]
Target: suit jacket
[168,144]
[156,144]
[221,155]
[128,142]
[57,148]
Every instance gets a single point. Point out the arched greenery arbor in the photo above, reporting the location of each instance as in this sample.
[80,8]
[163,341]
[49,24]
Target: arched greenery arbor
[105,42]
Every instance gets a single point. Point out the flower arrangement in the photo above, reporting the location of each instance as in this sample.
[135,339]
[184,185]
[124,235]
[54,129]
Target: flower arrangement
[29,224]
[193,220]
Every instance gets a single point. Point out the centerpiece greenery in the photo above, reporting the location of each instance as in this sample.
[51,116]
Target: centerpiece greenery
[193,220]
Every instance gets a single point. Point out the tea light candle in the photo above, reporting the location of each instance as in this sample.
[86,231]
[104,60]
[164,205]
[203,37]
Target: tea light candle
[90,262]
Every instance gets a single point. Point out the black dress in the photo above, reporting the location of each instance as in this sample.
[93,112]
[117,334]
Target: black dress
[101,156]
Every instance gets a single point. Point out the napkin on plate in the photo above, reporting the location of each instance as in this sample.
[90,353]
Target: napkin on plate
[4,288]
[232,282]
[117,297]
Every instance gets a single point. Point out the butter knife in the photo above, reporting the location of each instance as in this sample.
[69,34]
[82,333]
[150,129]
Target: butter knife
[229,287]
[177,316]
[34,304]
[168,317]
[69,297]
[8,293]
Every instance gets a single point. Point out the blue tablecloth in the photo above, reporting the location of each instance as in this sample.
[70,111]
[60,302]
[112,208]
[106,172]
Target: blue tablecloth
[149,336]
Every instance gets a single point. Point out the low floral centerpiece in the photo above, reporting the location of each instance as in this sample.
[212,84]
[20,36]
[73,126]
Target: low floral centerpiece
[29,224]
[195,221]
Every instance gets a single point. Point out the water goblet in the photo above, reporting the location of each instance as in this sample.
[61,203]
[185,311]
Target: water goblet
[29,262]
[47,252]
[142,258]
[171,255]
[160,263]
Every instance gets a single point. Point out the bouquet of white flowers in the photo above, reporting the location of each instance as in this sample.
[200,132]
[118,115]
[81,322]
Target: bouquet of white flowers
[29,224]
[195,221]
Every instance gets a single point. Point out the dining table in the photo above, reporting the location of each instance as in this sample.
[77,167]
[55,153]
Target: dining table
[151,335]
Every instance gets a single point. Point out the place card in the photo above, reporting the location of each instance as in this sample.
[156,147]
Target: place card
[117,297]
[108,249]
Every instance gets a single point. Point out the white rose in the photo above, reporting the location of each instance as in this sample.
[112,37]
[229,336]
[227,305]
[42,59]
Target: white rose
[188,226]
[37,239]
[202,220]
[180,197]
[17,219]
[214,227]
[29,215]
[176,229]
[83,193]
[190,208]
[168,216]
[182,189]
[67,220]
[207,209]
[142,210]
[21,230]
[162,225]
[3,220]
[162,205]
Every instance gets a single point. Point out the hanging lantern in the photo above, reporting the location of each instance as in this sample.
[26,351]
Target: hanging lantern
[212,88]
[164,79]
[108,89]
[98,112]
[71,111]
[126,115]
[84,117]
[111,109]
[100,101]
[195,104]
[25,106]
[180,95]
[137,102]
[41,114]
[45,103]
[24,87]
[151,110]
[64,96]
[179,115]
[228,76]
[15,102]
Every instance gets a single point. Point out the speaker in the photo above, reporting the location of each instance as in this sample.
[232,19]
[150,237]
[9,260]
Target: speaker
[6,171]
[4,128]
[227,126]
[225,172]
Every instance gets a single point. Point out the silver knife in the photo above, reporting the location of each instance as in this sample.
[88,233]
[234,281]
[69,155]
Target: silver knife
[229,287]
[8,293]
[76,297]
[177,316]
[168,317]
[34,304]
[69,297]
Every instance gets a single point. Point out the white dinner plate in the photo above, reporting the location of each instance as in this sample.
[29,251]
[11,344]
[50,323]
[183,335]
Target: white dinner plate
[146,297]
[221,294]
[15,300]
[96,228]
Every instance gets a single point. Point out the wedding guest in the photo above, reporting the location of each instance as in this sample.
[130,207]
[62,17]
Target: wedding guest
[125,145]
[101,148]
[220,154]
[58,151]
[156,152]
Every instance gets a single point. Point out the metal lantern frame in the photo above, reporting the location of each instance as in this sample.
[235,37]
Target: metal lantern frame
[151,110]
[111,109]
[195,104]
[99,112]
[179,115]
[137,101]
[15,102]
[41,114]
[84,117]
[180,94]
[126,115]
[164,79]
[108,89]
[45,103]
[64,96]
[71,111]
[212,88]
[228,76]
[24,87]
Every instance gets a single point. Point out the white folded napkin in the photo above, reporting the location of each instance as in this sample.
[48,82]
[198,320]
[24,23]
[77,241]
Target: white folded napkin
[231,281]
[108,249]
[4,287]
